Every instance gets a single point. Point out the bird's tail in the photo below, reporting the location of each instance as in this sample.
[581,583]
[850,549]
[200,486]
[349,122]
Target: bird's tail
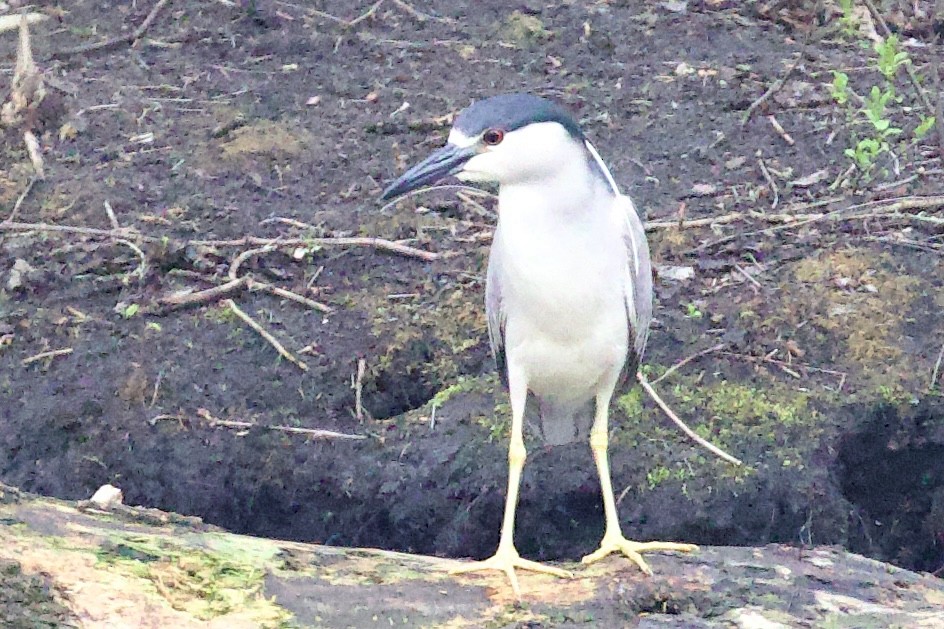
[562,423]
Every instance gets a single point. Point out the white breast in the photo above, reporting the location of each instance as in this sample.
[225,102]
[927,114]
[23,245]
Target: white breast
[562,281]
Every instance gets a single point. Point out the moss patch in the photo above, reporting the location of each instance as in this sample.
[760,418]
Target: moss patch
[776,424]
[203,584]
[861,300]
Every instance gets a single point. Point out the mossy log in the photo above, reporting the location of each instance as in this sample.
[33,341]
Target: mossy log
[69,564]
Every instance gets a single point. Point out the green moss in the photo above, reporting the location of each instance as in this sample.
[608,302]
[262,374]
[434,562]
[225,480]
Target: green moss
[861,300]
[524,30]
[202,583]
[776,425]
[463,384]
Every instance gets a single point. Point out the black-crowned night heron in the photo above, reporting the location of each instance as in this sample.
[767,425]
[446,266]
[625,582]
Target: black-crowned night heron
[568,293]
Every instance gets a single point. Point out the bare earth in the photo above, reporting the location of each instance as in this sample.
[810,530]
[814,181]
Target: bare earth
[807,294]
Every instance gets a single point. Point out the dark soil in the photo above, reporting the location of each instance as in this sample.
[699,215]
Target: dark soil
[223,117]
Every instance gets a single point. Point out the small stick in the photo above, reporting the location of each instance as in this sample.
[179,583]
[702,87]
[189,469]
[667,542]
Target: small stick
[130,38]
[203,296]
[268,337]
[287,294]
[936,370]
[254,284]
[359,389]
[365,15]
[111,216]
[678,422]
[242,257]
[376,243]
[773,89]
[685,361]
[35,153]
[20,199]
[317,433]
[50,354]
[142,266]
[770,182]
[779,129]
[747,276]
[157,388]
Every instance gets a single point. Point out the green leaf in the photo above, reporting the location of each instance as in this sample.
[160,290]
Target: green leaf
[927,123]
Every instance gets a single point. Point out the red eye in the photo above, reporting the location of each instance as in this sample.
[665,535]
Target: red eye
[493,137]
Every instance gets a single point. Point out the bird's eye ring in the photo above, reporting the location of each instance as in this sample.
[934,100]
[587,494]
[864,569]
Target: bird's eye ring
[493,137]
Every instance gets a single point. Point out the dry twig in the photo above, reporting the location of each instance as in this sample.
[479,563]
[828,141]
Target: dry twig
[684,427]
[20,199]
[359,389]
[264,334]
[375,243]
[142,266]
[779,129]
[882,207]
[180,300]
[685,361]
[936,370]
[111,216]
[773,89]
[366,14]
[315,433]
[43,355]
[290,295]
[770,182]
[130,38]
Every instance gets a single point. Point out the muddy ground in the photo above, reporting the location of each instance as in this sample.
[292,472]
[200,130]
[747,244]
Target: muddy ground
[821,282]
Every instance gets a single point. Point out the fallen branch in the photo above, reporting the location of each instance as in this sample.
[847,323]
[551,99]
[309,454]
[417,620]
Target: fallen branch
[315,433]
[366,14]
[142,266]
[255,284]
[886,207]
[375,243]
[363,241]
[12,22]
[180,300]
[685,361]
[290,295]
[775,87]
[130,38]
[682,425]
[264,334]
[936,370]
[20,199]
[43,355]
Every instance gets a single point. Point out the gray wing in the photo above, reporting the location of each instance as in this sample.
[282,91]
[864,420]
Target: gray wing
[494,312]
[638,284]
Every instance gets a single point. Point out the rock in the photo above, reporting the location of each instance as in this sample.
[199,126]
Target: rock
[18,276]
[187,574]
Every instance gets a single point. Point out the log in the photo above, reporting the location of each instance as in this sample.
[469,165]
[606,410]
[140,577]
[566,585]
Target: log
[121,566]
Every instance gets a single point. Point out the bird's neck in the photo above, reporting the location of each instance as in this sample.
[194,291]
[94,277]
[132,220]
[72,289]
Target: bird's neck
[573,194]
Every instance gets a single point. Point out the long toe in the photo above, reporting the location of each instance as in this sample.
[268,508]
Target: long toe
[633,550]
[506,561]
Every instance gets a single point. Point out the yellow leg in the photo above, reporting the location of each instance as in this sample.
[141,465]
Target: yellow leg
[613,540]
[506,558]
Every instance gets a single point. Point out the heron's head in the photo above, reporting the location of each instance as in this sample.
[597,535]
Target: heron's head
[507,139]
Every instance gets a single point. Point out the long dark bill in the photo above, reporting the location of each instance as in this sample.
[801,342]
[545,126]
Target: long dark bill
[446,161]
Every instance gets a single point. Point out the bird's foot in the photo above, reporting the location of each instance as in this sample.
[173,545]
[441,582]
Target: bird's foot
[507,560]
[616,543]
